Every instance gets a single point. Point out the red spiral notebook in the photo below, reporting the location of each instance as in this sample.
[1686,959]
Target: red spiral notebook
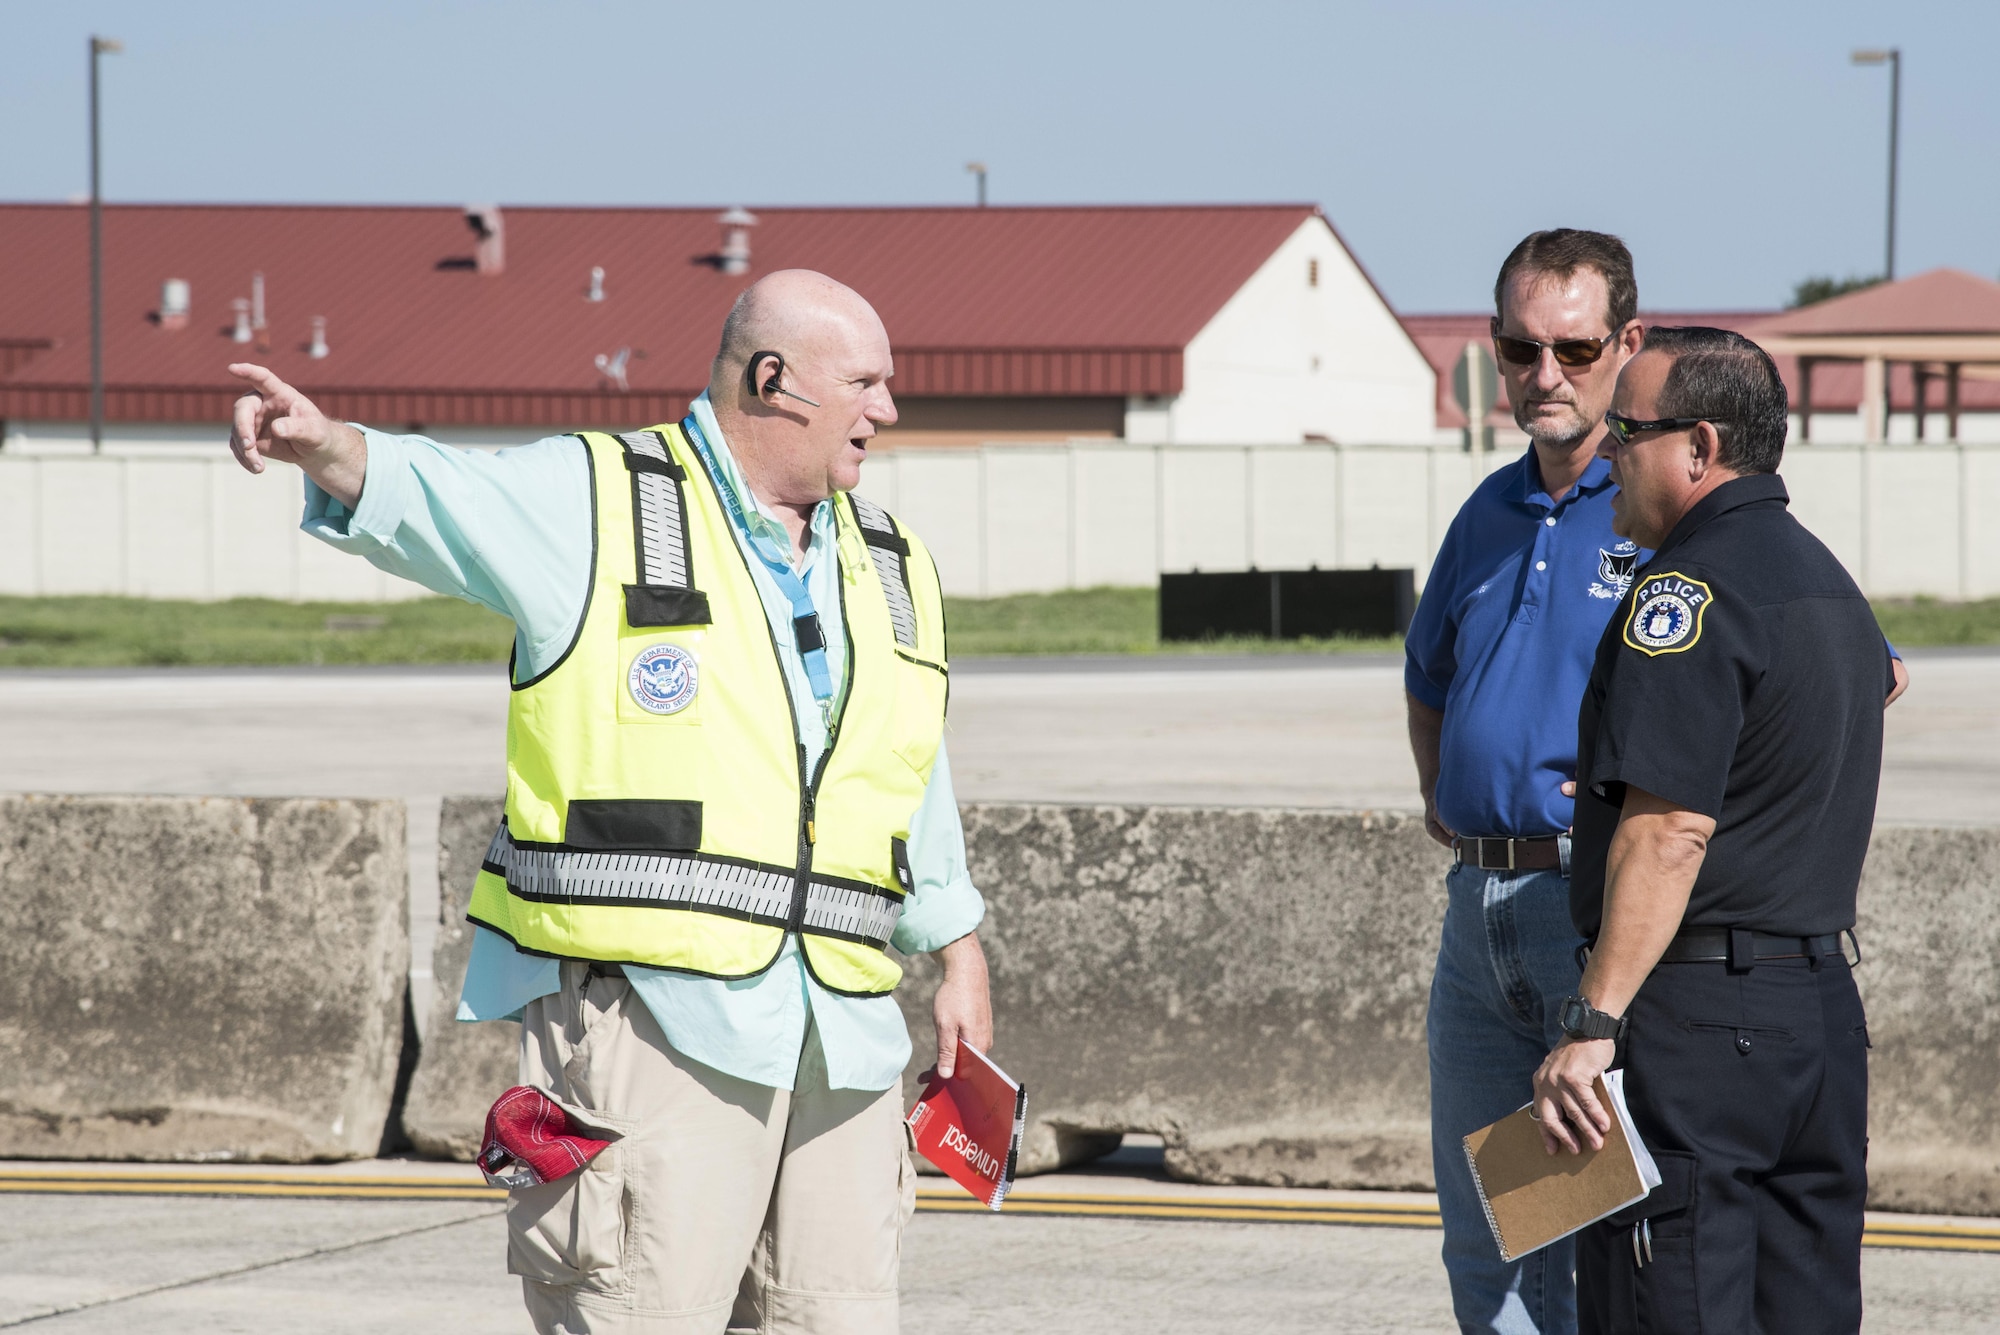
[970,1125]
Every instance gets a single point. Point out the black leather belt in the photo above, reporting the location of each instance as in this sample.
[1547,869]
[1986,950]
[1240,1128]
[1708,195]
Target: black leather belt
[1541,854]
[1741,948]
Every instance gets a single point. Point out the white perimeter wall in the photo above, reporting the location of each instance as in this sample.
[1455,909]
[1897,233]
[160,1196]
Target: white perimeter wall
[1015,519]
[1284,360]
[999,519]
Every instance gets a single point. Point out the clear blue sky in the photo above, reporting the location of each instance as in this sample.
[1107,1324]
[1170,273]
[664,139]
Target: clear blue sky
[1732,144]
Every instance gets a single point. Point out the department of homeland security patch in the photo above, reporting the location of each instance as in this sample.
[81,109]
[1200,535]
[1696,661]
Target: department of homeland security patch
[1666,614]
[663,679]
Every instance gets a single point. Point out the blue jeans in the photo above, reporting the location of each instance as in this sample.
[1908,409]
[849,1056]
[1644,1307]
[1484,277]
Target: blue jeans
[1507,960]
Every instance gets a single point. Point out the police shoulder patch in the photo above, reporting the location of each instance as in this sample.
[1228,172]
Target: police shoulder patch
[1667,611]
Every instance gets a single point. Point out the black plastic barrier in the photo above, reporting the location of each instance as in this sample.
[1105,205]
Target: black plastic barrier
[1288,604]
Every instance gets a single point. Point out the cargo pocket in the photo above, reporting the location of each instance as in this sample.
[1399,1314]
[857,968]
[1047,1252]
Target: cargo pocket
[906,1176]
[572,1230]
[1652,1248]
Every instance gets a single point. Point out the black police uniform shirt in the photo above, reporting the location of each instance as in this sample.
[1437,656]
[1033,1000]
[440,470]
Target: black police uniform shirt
[1743,677]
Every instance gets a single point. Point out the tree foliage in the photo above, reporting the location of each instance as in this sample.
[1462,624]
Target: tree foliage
[1822,287]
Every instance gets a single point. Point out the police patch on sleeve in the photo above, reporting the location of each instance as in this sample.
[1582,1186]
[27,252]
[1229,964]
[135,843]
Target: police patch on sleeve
[1666,614]
[663,679]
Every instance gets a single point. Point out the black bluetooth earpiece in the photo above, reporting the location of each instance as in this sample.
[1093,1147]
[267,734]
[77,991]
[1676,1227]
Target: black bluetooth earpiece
[774,385]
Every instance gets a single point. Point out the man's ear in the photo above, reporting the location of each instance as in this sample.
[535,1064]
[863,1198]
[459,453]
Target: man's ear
[1704,450]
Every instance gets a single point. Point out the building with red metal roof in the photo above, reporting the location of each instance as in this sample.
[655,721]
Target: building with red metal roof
[1173,325]
[1914,328]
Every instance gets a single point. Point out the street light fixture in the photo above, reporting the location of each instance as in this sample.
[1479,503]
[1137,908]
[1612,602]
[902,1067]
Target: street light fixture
[979,169]
[98,47]
[1893,58]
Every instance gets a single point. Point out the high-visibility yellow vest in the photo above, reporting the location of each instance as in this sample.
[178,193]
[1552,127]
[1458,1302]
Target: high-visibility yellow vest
[658,812]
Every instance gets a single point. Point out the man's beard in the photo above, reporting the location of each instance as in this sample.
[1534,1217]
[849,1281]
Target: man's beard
[1563,435]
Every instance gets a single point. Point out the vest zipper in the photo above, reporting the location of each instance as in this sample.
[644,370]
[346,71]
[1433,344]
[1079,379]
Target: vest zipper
[808,793]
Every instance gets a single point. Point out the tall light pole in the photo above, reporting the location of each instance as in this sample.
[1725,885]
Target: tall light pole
[98,46]
[1893,58]
[979,169]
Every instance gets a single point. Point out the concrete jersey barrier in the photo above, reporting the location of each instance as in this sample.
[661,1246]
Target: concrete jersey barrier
[1251,985]
[1248,984]
[464,1067]
[200,978]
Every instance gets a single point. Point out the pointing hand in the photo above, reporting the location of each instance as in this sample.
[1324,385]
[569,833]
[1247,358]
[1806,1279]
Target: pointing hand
[272,420]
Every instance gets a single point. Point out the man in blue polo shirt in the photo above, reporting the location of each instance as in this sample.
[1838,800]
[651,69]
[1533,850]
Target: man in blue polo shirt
[1498,656]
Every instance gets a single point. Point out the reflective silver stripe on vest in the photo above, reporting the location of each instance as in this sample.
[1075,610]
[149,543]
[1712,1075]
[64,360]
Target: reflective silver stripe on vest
[662,534]
[691,881]
[687,881]
[861,915]
[888,558]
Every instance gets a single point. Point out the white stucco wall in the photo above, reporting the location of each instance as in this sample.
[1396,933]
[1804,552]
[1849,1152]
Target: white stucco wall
[1001,518]
[1285,361]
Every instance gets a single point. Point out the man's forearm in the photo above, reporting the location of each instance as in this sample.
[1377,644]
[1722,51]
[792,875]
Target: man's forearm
[341,466]
[963,958]
[1426,733]
[1650,870]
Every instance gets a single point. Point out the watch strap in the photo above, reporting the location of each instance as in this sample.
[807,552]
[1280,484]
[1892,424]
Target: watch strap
[1580,1019]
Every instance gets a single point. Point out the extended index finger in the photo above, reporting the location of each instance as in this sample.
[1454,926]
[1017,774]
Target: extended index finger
[261,377]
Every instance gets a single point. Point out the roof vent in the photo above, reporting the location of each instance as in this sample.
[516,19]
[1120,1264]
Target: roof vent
[736,225]
[596,292]
[176,301]
[613,367]
[318,349]
[490,255]
[241,334]
[259,330]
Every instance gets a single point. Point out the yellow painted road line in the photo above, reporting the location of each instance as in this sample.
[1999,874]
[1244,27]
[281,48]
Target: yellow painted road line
[1389,1214]
[1248,1202]
[1938,1238]
[152,1186]
[235,1174]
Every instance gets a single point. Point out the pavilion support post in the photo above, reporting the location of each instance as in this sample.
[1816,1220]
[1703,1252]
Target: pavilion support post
[1805,400]
[1951,401]
[1874,399]
[1920,376]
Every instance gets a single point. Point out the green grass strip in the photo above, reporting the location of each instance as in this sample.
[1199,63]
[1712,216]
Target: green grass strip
[262,632]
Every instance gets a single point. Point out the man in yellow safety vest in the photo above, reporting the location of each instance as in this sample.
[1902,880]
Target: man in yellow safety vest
[727,796]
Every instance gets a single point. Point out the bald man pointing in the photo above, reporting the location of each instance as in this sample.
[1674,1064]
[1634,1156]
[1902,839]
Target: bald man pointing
[727,796]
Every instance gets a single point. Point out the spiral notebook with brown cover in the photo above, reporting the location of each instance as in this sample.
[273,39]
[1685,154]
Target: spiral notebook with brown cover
[1532,1197]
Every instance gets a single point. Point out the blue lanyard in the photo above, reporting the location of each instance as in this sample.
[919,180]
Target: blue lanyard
[806,630]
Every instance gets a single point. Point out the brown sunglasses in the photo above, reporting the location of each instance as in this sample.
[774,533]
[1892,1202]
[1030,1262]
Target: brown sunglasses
[1569,352]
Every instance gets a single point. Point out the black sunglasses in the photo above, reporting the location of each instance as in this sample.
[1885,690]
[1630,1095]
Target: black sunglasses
[1569,351]
[1624,428]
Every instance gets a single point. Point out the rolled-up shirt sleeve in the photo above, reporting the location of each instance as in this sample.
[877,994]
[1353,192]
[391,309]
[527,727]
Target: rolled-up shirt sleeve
[507,529]
[944,905]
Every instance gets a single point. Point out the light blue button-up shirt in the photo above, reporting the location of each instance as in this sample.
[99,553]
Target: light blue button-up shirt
[512,531]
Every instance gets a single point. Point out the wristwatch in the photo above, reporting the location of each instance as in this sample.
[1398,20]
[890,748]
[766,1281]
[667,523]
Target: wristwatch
[1580,1019]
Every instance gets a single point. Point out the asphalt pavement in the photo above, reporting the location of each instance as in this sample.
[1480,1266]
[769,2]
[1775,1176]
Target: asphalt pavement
[1117,1250]
[1280,730]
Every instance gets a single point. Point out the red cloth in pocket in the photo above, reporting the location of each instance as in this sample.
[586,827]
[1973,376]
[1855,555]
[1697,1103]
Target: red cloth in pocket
[529,1141]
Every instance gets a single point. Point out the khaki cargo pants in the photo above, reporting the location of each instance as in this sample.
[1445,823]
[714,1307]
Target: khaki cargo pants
[722,1205]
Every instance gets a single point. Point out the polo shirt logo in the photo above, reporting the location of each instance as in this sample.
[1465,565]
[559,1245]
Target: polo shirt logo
[1614,570]
[1667,613]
